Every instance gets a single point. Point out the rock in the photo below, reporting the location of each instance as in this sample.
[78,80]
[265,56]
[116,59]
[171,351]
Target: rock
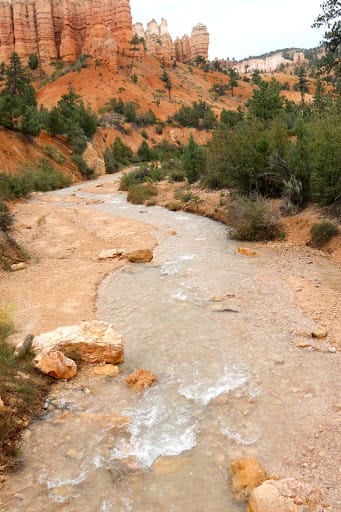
[93,159]
[246,252]
[18,266]
[108,370]
[72,453]
[2,405]
[171,232]
[287,495]
[91,342]
[110,254]
[23,348]
[140,256]
[54,29]
[246,475]
[141,379]
[56,365]
[168,465]
[200,41]
[319,333]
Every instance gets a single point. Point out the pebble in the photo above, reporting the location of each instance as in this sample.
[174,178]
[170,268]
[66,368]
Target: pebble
[308,395]
[72,453]
[278,360]
[18,266]
[332,350]
[319,333]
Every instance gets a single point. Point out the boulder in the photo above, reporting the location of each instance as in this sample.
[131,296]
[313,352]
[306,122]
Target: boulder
[287,495]
[140,256]
[56,365]
[246,475]
[91,342]
[141,379]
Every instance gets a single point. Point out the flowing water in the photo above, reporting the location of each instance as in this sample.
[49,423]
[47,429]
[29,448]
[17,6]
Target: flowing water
[217,329]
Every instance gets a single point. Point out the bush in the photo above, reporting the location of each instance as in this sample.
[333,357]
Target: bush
[33,61]
[41,178]
[199,115]
[322,233]
[53,153]
[159,129]
[85,170]
[252,219]
[138,194]
[117,156]
[6,219]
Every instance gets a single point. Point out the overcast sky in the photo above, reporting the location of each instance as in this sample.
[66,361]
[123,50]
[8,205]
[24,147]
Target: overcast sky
[238,28]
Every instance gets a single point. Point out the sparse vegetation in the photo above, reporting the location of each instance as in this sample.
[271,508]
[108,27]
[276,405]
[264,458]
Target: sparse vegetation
[252,219]
[139,194]
[322,233]
[22,391]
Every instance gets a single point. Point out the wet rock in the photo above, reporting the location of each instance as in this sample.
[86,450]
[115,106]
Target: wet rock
[168,465]
[287,495]
[141,379]
[246,475]
[107,254]
[56,365]
[140,256]
[319,333]
[18,266]
[91,342]
[246,252]
[108,370]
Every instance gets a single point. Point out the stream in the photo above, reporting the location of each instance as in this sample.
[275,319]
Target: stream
[217,328]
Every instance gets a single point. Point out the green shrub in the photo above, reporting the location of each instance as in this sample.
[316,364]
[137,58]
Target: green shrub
[53,153]
[85,170]
[138,194]
[322,233]
[252,219]
[6,219]
[159,129]
[33,61]
[132,178]
[176,175]
[42,178]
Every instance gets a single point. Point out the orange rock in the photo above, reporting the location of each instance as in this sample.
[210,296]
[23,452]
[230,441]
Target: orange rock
[141,379]
[56,365]
[140,256]
[246,252]
[246,475]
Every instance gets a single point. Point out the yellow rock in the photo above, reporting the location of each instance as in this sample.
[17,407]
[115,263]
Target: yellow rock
[246,252]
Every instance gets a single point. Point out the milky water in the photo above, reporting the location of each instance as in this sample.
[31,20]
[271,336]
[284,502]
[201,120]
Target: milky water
[216,329]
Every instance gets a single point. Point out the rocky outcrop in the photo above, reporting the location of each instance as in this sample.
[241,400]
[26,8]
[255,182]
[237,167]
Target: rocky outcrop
[270,63]
[159,43]
[287,495]
[64,29]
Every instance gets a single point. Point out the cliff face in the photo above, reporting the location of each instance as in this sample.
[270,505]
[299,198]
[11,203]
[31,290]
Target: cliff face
[159,42]
[270,62]
[64,29]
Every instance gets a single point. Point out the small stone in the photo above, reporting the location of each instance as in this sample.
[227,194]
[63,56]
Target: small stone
[308,395]
[18,266]
[87,391]
[140,256]
[303,345]
[246,252]
[2,405]
[278,360]
[246,475]
[110,254]
[319,333]
[171,232]
[141,379]
[108,370]
[73,454]
[332,350]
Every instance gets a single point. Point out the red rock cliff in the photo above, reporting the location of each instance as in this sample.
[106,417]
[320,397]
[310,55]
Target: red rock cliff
[64,29]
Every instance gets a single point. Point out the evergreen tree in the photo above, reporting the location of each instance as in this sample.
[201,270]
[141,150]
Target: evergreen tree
[233,81]
[303,83]
[266,102]
[193,160]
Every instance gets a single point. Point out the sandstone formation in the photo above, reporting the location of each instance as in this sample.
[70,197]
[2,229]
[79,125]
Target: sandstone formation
[65,29]
[287,495]
[158,42]
[246,475]
[91,342]
[141,379]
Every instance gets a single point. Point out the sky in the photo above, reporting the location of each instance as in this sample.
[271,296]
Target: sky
[238,28]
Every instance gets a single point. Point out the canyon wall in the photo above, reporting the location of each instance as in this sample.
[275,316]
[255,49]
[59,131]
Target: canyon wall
[65,29]
[158,42]
[271,63]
